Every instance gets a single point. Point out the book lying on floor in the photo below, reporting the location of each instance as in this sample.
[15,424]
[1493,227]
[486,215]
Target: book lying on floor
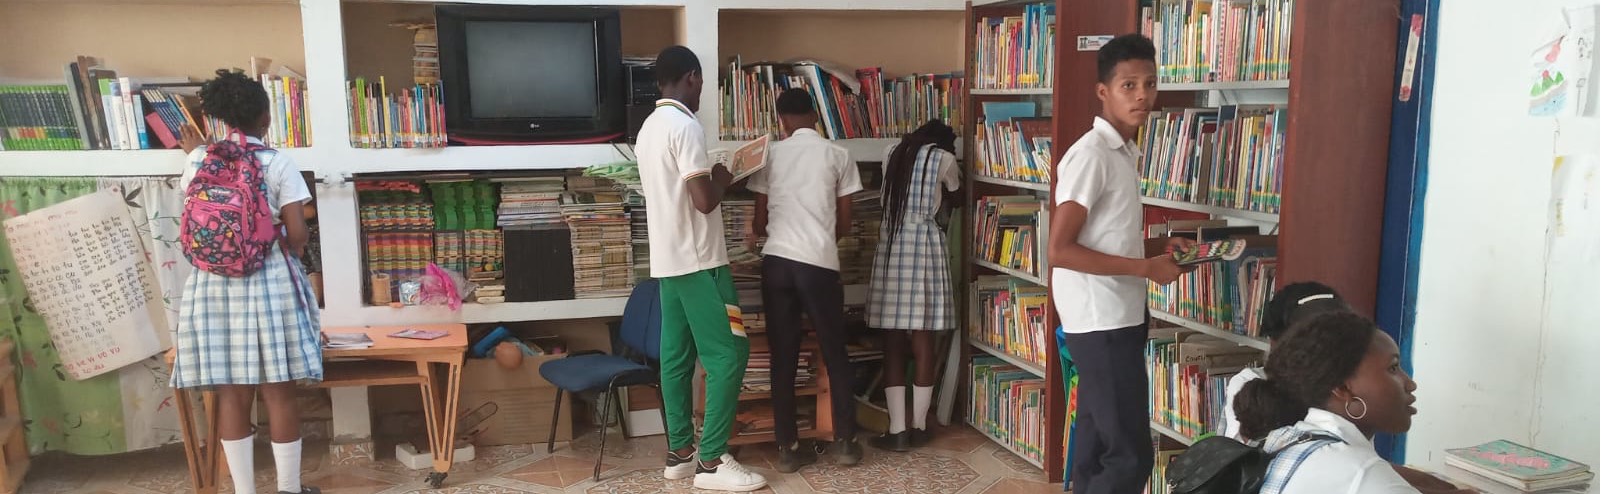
[1519,467]
[345,341]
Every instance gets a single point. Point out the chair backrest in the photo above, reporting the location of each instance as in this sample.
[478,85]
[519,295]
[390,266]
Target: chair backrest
[639,326]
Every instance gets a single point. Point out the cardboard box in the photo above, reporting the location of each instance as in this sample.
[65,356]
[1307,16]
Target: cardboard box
[510,406]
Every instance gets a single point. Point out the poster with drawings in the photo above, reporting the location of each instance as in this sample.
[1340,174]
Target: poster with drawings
[88,275]
[1559,76]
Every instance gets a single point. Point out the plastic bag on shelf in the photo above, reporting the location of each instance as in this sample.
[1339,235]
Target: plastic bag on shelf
[441,287]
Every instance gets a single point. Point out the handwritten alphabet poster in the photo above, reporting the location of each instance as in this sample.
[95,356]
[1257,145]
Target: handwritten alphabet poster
[88,275]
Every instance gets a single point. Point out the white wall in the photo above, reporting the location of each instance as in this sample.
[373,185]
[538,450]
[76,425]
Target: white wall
[1496,354]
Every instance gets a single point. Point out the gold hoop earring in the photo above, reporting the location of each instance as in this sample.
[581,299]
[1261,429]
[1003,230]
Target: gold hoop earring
[1347,408]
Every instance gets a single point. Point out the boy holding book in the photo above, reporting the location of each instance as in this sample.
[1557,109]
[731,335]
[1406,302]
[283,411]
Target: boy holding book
[1097,249]
[698,303]
[803,206]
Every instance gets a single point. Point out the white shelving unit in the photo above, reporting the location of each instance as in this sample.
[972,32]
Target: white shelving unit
[1239,339]
[330,157]
[1171,434]
[1224,86]
[1036,91]
[862,149]
[1028,365]
[1272,218]
[1028,277]
[1039,187]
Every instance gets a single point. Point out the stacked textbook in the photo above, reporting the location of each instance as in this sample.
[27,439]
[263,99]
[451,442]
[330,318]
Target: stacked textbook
[1509,468]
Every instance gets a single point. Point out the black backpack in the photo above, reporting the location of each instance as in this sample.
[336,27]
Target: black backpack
[1222,465]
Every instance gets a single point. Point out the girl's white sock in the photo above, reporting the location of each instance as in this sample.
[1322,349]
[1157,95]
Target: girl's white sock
[239,458]
[288,455]
[896,407]
[921,405]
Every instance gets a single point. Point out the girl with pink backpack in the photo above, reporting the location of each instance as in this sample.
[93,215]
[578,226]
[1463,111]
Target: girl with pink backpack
[249,322]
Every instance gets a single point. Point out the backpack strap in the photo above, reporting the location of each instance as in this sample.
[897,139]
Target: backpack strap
[1289,458]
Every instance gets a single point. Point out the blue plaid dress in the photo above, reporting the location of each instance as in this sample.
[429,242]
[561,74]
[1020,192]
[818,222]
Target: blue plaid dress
[258,329]
[911,286]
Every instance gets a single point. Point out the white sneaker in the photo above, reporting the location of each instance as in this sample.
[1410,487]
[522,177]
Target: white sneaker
[728,476]
[678,468]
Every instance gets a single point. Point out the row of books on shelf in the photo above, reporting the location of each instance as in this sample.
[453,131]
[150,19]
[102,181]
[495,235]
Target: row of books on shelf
[1016,52]
[1230,156]
[97,109]
[1189,374]
[849,105]
[410,117]
[1008,405]
[1227,295]
[1013,143]
[1165,452]
[1220,40]
[1008,232]
[1013,318]
[758,372]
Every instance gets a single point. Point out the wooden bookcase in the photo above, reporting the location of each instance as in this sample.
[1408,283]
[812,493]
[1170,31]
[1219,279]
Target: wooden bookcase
[822,418]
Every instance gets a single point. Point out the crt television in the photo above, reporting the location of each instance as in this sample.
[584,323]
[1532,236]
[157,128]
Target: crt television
[531,74]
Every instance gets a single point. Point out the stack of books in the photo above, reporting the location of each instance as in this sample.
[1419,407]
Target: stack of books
[640,263]
[1006,403]
[1016,52]
[1220,40]
[758,372]
[600,238]
[1189,374]
[35,118]
[1013,318]
[412,117]
[858,249]
[1013,143]
[531,203]
[1504,467]
[860,104]
[1230,156]
[738,217]
[463,204]
[1008,233]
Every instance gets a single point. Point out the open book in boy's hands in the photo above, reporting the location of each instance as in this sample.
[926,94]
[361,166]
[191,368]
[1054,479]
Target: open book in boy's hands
[748,158]
[1219,250]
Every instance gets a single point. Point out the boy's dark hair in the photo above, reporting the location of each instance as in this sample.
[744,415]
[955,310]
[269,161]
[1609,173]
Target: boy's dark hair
[674,63]
[234,99]
[795,101]
[1298,302]
[1315,357]
[1121,49]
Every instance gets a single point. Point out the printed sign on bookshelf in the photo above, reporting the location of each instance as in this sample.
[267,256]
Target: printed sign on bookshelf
[89,277]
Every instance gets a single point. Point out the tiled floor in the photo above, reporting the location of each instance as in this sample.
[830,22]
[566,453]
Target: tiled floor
[958,461]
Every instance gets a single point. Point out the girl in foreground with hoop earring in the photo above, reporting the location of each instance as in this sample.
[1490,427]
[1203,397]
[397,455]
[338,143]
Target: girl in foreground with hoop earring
[1335,374]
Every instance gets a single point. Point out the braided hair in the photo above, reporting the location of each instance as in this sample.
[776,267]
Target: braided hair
[235,99]
[899,169]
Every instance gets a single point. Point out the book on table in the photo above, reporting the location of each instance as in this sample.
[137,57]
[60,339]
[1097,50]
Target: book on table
[345,341]
[1516,466]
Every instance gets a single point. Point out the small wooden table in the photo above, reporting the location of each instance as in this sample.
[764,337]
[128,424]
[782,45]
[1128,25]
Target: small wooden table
[389,361]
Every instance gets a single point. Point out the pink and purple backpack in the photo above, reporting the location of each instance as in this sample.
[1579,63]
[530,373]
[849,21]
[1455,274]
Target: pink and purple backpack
[227,225]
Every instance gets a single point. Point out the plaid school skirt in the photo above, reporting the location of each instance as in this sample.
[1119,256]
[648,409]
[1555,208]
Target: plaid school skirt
[911,287]
[259,329]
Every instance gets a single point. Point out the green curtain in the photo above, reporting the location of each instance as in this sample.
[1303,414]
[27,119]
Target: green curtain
[60,414]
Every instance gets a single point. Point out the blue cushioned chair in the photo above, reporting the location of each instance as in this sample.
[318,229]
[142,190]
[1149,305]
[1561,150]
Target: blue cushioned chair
[595,372]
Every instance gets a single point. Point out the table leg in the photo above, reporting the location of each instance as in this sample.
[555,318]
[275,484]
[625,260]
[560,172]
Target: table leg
[201,452]
[447,432]
[431,409]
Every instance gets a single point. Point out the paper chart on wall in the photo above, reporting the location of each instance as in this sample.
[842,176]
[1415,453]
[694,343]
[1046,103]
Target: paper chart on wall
[1559,70]
[88,275]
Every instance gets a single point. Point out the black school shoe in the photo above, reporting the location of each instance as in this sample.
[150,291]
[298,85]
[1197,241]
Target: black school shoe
[847,452]
[791,459]
[302,490]
[918,437]
[891,442]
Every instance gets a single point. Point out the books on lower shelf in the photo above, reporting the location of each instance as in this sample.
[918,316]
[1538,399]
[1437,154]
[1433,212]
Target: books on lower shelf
[738,218]
[1008,232]
[531,203]
[1227,295]
[1158,475]
[1505,466]
[600,238]
[758,372]
[1220,40]
[857,250]
[860,104]
[1013,318]
[1016,52]
[1189,374]
[1230,156]
[1007,404]
[412,117]
[1013,143]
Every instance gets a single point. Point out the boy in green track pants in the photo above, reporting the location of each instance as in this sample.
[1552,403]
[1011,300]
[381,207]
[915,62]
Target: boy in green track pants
[698,303]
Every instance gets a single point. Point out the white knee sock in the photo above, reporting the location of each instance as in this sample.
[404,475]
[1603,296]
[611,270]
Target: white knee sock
[896,407]
[239,458]
[288,455]
[921,405]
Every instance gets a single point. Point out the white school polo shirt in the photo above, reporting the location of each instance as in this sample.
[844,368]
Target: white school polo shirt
[804,176]
[1100,172]
[1350,466]
[670,151]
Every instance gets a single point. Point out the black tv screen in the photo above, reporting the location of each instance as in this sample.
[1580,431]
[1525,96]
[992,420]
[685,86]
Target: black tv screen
[532,69]
[531,74]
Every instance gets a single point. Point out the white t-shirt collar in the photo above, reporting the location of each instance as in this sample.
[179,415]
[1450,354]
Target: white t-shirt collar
[1114,138]
[677,104]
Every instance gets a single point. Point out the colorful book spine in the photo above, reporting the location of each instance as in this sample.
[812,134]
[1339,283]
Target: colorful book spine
[37,118]
[1008,232]
[1016,52]
[1013,318]
[1007,404]
[1230,156]
[412,117]
[1220,40]
[876,107]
